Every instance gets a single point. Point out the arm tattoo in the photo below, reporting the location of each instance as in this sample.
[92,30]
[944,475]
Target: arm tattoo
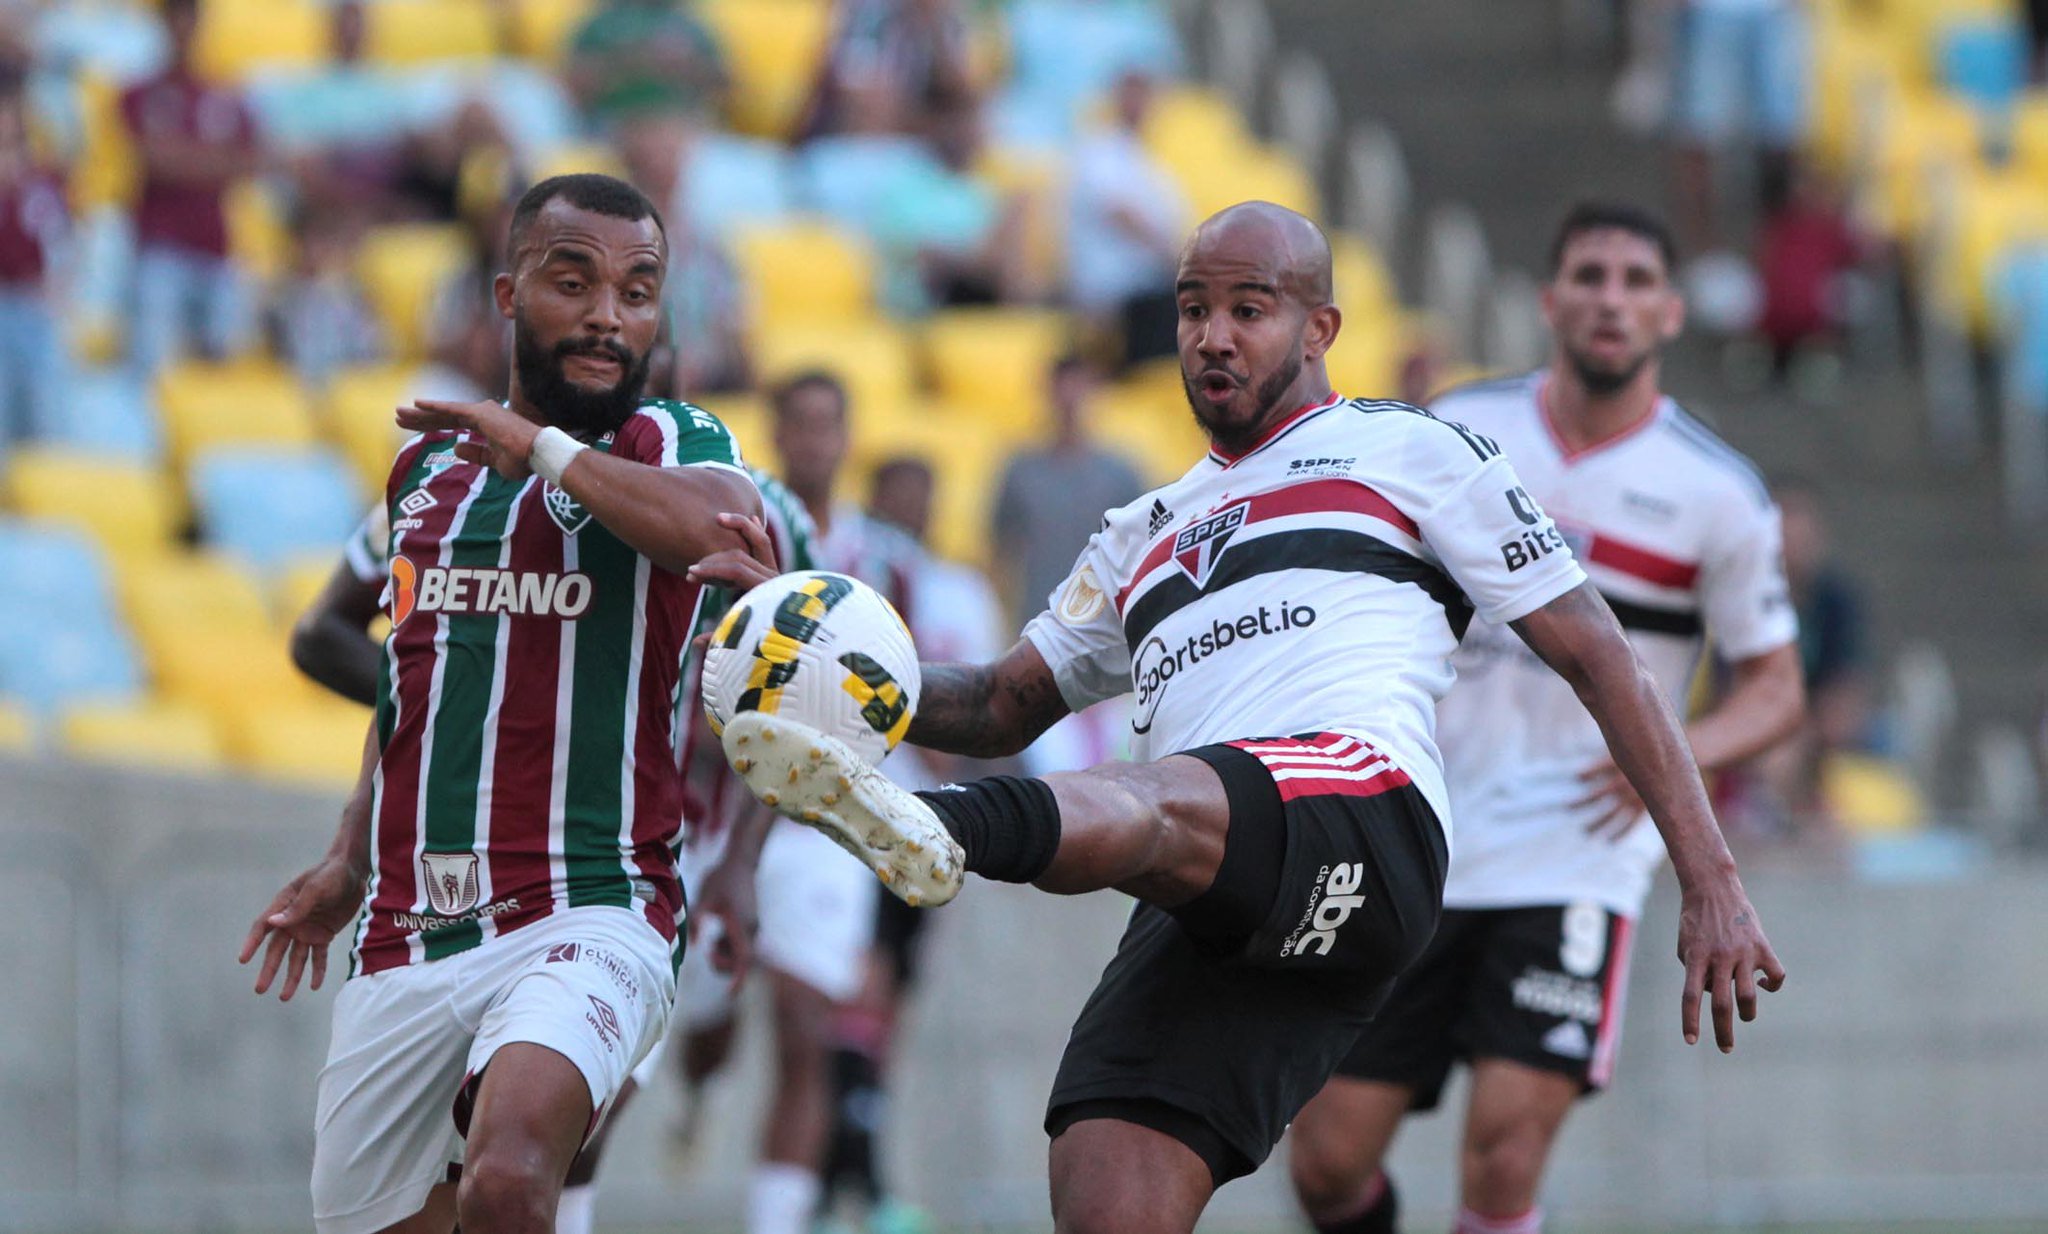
[983,710]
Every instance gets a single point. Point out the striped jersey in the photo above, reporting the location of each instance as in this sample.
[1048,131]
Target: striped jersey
[526,701]
[711,792]
[1317,583]
[1679,533]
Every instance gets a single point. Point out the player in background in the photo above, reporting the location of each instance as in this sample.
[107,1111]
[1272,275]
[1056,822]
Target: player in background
[516,945]
[1285,614]
[1525,978]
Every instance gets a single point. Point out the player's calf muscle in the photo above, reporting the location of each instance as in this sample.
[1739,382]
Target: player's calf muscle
[1154,830]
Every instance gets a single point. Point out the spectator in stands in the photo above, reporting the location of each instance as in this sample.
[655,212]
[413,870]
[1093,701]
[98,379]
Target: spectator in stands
[33,219]
[442,164]
[1741,80]
[1807,250]
[958,616]
[946,236]
[706,299]
[1126,220]
[320,319]
[636,56]
[888,61]
[1051,498]
[194,140]
[340,125]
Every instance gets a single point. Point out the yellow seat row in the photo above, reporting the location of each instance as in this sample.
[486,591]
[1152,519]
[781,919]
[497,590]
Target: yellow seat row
[316,744]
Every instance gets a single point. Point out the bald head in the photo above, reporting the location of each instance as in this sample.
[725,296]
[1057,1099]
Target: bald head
[1283,242]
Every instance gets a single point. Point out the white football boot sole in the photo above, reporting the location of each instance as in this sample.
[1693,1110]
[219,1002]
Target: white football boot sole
[805,775]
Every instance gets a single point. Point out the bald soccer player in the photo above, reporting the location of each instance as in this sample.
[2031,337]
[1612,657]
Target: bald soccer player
[1284,615]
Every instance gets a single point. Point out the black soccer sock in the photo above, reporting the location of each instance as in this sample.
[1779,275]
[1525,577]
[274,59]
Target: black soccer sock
[1009,826]
[849,1164]
[1378,1217]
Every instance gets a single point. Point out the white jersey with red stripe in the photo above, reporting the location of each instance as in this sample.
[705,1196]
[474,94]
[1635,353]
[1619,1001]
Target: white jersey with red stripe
[1677,530]
[1317,583]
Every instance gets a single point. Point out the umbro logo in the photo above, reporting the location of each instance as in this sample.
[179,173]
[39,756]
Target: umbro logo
[417,500]
[1158,519]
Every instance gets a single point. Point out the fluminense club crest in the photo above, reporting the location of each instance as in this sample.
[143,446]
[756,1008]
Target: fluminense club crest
[567,512]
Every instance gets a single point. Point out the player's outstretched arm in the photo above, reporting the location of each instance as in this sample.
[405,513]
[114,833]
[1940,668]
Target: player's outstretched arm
[320,903]
[987,710]
[667,514]
[1720,940]
[330,640]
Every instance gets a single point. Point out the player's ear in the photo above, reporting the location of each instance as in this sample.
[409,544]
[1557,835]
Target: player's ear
[1674,315]
[1547,299]
[501,291]
[1321,331]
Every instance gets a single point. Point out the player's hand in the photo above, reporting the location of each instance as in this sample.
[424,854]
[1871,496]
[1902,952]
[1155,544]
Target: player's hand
[300,922]
[1722,945]
[1621,808]
[728,898]
[499,438]
[741,569]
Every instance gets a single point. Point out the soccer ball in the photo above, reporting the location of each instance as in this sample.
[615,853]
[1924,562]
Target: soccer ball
[823,649]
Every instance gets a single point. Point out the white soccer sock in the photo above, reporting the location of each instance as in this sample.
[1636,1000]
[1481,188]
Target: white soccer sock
[577,1211]
[781,1198]
[1470,1222]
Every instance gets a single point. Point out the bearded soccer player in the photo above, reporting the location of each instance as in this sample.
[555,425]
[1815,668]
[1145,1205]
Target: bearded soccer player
[1525,977]
[509,840]
[1285,616]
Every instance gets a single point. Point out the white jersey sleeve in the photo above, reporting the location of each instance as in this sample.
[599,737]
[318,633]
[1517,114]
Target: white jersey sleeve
[1743,592]
[369,546]
[1493,539]
[1080,633]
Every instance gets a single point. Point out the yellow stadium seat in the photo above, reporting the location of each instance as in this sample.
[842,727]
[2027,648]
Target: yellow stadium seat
[541,29]
[1919,138]
[298,585]
[1995,212]
[160,734]
[258,239]
[966,455]
[1854,65]
[873,360]
[747,416]
[1363,286]
[128,507]
[361,407]
[314,744]
[17,728]
[1254,173]
[2029,136]
[1365,361]
[179,597]
[578,157]
[1193,122]
[106,172]
[248,402]
[1871,796]
[402,267]
[804,272]
[236,36]
[772,52]
[1151,426]
[228,676]
[1036,178]
[421,31]
[995,362]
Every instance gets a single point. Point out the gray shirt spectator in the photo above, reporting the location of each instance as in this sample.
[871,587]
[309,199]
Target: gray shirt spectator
[1053,498]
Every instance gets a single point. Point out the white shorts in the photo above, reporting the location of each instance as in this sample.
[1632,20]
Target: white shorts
[817,917]
[594,984]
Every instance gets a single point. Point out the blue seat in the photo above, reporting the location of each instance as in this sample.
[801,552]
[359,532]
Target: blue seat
[61,642]
[108,412]
[735,180]
[1064,53]
[267,505]
[1984,61]
[2021,295]
[843,178]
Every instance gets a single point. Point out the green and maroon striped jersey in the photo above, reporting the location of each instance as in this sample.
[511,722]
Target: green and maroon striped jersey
[526,704]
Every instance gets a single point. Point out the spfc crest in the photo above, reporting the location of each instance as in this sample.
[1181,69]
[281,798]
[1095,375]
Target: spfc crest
[451,881]
[1197,549]
[567,512]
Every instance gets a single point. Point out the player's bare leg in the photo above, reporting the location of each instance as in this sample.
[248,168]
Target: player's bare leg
[1510,1123]
[1336,1147]
[1114,1177]
[532,1111]
[785,1187]
[575,1214]
[436,1216]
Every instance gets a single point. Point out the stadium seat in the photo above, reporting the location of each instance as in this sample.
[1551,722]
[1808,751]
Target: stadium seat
[108,412]
[17,728]
[873,359]
[1363,286]
[966,454]
[174,599]
[845,177]
[247,403]
[1156,433]
[1195,122]
[995,362]
[316,744]
[60,638]
[1254,172]
[238,36]
[52,568]
[1365,361]
[128,507]
[158,734]
[258,238]
[2028,136]
[2021,299]
[402,267]
[234,679]
[734,180]
[747,417]
[576,157]
[106,171]
[1918,137]
[266,506]
[804,273]
[772,51]
[420,31]
[1983,62]
[541,29]
[1037,178]
[1069,51]
[1995,213]
[359,417]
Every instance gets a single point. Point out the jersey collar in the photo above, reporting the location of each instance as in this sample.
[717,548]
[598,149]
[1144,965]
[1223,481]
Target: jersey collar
[1570,455]
[1223,458]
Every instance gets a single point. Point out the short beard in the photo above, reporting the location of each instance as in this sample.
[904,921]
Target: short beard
[1235,440]
[1604,383]
[572,408]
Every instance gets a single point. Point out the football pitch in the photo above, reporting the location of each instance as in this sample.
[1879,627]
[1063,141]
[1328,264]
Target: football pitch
[1563,1227]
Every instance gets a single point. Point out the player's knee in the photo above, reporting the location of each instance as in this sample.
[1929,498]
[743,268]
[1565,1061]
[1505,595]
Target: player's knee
[506,1192]
[1106,1213]
[1329,1171]
[1504,1163]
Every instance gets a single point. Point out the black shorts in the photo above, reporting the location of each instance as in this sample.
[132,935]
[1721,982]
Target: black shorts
[1542,986]
[1220,1047]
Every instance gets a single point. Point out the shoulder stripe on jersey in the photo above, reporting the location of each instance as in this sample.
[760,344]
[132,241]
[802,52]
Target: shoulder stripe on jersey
[1693,432]
[1642,563]
[1653,619]
[1311,549]
[1484,447]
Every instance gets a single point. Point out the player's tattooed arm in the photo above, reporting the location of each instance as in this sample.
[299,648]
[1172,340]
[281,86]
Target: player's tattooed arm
[987,710]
